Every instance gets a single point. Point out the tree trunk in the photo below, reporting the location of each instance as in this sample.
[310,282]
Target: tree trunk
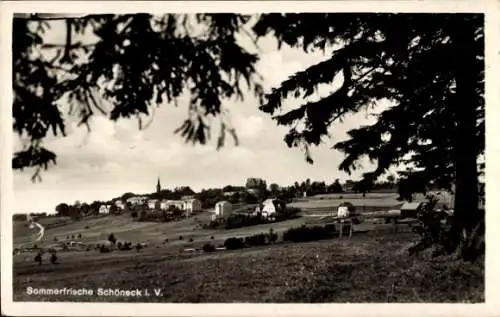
[466,173]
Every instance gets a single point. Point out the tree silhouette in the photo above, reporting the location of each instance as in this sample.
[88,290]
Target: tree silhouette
[134,62]
[274,189]
[429,66]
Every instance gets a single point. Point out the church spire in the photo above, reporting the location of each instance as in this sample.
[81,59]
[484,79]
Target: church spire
[158,186]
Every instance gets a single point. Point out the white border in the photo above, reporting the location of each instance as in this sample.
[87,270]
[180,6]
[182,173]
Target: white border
[490,308]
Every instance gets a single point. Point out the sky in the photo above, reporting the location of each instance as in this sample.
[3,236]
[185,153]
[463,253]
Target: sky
[115,158]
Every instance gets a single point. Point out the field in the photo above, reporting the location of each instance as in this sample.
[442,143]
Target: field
[373,266]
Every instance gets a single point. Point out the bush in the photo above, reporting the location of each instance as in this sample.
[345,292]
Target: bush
[166,240]
[55,239]
[119,245]
[79,236]
[234,243]
[287,213]
[208,247]
[256,240]
[304,234]
[72,237]
[53,258]
[104,249]
[133,214]
[87,227]
[191,240]
[212,237]
[180,237]
[111,238]
[238,221]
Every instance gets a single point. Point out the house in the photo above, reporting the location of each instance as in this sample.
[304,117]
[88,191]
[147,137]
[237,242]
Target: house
[152,203]
[271,206]
[192,205]
[180,204]
[164,204]
[345,210]
[223,209]
[137,200]
[104,209]
[119,204]
[410,210]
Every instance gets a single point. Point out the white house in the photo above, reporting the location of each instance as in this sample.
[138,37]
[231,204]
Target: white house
[192,205]
[223,209]
[137,200]
[343,212]
[152,203]
[164,204]
[119,204]
[104,209]
[271,206]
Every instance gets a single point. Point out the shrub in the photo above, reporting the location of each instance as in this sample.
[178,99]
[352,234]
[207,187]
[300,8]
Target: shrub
[208,247]
[238,221]
[72,236]
[111,238]
[191,240]
[104,249]
[287,213]
[256,240]
[87,227]
[180,237]
[166,240]
[79,236]
[304,234]
[55,239]
[234,243]
[53,258]
[212,237]
[119,245]
[133,214]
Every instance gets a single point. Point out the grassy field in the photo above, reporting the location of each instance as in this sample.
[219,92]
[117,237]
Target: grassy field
[371,267]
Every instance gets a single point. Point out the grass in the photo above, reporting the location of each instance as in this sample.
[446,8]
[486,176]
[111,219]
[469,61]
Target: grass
[370,267]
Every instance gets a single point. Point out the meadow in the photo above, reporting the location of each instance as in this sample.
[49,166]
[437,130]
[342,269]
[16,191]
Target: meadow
[372,266]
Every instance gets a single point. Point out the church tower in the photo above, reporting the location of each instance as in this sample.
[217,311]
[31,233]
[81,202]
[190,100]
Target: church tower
[158,186]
